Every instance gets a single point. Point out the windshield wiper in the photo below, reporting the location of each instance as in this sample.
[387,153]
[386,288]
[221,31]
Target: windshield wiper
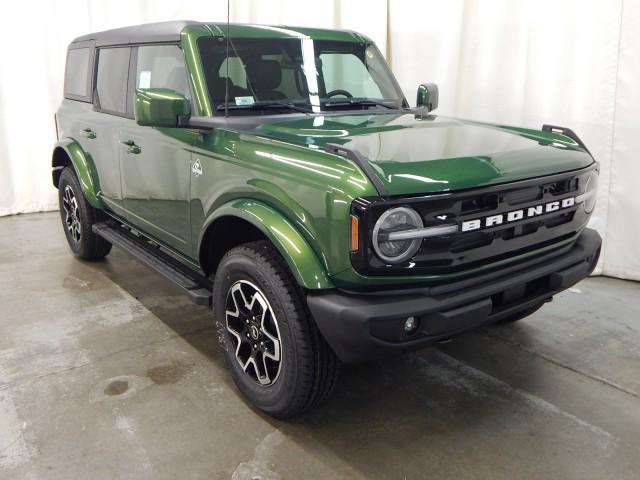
[359,103]
[258,106]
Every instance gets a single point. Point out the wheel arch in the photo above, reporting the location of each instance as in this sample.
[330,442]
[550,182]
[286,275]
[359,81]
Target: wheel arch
[246,220]
[68,152]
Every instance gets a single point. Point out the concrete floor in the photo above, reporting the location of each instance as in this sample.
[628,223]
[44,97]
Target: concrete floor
[555,396]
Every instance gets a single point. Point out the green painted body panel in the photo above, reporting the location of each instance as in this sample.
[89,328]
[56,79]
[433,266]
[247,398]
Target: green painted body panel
[302,260]
[156,182]
[101,145]
[309,189]
[189,44]
[85,170]
[277,176]
[415,154]
[283,165]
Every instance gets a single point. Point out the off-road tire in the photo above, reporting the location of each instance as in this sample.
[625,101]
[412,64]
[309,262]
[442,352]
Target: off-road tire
[308,368]
[85,244]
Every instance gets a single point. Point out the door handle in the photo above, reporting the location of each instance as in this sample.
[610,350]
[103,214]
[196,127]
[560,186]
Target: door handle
[131,147]
[87,132]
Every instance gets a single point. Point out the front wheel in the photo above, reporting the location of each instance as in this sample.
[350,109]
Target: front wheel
[78,216]
[277,357]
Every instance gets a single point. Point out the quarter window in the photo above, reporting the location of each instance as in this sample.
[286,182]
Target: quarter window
[77,73]
[111,87]
[162,66]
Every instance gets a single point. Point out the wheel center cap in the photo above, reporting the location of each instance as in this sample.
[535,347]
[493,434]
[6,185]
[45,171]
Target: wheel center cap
[255,333]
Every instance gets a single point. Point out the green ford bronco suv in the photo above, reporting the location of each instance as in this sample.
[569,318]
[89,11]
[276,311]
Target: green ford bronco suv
[279,175]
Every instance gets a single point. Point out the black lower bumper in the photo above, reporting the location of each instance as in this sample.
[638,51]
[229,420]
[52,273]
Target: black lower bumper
[367,326]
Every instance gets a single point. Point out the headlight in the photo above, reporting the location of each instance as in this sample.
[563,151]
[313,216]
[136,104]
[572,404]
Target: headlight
[591,192]
[396,220]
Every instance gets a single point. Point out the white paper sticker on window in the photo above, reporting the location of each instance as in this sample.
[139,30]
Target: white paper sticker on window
[145,79]
[245,100]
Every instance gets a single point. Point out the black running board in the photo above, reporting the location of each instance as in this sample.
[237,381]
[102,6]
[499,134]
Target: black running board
[197,286]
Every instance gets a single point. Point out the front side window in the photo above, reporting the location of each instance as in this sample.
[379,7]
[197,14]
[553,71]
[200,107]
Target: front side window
[162,66]
[345,71]
[310,75]
[113,74]
[77,72]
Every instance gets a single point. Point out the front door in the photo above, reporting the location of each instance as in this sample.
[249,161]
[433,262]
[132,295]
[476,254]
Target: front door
[156,162]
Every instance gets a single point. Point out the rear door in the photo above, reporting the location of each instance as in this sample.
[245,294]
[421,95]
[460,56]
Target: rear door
[99,130]
[156,162]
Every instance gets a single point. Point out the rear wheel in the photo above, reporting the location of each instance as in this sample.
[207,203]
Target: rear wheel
[78,216]
[277,357]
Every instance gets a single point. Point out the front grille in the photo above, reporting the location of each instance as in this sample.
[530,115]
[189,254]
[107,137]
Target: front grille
[465,250]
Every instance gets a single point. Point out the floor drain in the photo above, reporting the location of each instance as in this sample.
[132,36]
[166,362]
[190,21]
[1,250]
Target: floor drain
[117,387]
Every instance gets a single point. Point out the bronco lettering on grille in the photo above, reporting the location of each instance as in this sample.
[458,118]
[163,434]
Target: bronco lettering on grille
[515,215]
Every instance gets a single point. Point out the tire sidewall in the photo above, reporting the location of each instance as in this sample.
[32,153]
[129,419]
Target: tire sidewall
[68,179]
[238,266]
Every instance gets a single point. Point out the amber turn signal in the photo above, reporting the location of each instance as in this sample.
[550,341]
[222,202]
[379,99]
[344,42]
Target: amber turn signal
[355,234]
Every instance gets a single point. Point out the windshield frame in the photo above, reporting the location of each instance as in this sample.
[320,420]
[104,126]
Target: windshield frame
[313,102]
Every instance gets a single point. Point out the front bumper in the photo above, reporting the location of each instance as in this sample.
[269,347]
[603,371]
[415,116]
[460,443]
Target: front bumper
[368,326]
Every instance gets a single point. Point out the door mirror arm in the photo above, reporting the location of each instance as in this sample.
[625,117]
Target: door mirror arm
[206,124]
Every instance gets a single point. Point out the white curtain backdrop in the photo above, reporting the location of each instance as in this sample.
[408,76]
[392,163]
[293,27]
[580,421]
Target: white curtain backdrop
[574,63]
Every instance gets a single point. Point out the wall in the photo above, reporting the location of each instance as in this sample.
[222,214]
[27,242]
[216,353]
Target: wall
[567,62]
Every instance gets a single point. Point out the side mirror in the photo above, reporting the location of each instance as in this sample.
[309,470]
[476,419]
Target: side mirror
[427,96]
[161,107]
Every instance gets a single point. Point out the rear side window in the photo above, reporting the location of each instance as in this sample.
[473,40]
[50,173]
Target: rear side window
[112,79]
[76,79]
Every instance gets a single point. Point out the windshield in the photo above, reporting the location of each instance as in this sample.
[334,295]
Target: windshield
[297,74]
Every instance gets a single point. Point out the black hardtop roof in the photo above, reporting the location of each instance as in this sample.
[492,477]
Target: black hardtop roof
[170,32]
[146,33]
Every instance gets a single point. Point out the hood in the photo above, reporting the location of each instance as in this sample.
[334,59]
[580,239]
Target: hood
[413,154]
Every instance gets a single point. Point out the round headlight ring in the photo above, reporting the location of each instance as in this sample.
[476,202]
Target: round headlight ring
[591,192]
[412,247]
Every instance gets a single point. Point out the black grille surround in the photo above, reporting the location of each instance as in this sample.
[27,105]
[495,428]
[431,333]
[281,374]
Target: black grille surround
[467,250]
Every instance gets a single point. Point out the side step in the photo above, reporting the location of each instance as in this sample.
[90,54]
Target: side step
[197,286]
